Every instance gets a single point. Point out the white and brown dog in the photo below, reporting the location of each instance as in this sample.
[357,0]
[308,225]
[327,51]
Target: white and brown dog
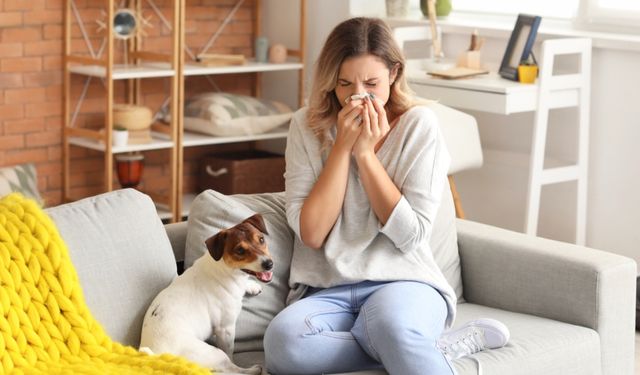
[203,304]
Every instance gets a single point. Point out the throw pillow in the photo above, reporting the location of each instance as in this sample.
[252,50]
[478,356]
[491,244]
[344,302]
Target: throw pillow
[225,115]
[22,179]
[211,212]
[122,255]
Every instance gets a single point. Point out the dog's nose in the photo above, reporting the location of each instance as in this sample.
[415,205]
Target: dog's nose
[267,264]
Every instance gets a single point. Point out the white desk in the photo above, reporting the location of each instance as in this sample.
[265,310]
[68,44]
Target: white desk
[493,94]
[486,93]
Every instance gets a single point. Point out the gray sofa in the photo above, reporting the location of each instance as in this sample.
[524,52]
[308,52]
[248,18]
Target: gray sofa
[570,309]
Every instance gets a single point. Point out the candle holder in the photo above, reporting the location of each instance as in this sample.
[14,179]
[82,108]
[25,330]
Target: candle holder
[129,168]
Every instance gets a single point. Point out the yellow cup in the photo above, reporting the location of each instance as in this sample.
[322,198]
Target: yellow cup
[527,73]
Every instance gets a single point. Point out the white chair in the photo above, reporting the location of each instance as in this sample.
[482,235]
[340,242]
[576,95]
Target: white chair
[459,129]
[460,132]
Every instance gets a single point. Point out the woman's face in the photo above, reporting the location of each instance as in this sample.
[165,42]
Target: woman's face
[364,74]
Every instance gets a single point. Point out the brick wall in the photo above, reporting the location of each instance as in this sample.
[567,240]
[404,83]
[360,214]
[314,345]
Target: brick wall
[31,91]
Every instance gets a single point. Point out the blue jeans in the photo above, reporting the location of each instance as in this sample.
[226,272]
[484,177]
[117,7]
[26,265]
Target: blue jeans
[390,325]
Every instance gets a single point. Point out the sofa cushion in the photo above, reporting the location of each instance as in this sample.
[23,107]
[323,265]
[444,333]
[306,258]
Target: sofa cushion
[211,212]
[122,254]
[537,346]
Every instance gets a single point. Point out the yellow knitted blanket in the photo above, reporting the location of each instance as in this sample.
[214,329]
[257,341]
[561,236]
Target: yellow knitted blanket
[45,325]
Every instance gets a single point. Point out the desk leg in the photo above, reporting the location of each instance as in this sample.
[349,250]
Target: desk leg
[549,85]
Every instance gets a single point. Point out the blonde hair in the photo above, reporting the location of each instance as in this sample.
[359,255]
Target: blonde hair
[352,38]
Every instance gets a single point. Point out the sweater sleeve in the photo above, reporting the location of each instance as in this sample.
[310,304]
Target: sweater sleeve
[299,175]
[428,160]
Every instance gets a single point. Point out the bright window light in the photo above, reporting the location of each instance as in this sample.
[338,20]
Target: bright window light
[619,4]
[544,8]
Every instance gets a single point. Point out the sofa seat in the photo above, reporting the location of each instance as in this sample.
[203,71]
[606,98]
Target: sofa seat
[537,346]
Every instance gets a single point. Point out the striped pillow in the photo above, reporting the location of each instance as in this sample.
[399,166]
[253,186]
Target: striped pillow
[224,114]
[21,179]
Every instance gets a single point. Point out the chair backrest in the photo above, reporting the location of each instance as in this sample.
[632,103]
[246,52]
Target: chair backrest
[405,34]
[460,132]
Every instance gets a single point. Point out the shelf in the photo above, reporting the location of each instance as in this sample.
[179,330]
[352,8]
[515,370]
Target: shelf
[155,70]
[250,67]
[122,71]
[187,200]
[158,143]
[195,139]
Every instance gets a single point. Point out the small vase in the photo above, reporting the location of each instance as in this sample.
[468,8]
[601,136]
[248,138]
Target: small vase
[129,168]
[120,138]
[443,8]
[527,73]
[397,8]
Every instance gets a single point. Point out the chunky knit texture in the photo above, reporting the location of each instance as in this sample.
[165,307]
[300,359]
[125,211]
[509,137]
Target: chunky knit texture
[45,325]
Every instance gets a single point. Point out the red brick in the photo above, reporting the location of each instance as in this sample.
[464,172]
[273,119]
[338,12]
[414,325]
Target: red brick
[23,4]
[55,153]
[52,63]
[54,32]
[43,48]
[54,93]
[43,139]
[22,64]
[11,112]
[54,182]
[11,142]
[34,155]
[44,17]
[24,126]
[21,34]
[22,96]
[43,79]
[8,19]
[43,109]
[11,50]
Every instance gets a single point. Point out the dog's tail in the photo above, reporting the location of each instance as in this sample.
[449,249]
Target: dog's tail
[146,350]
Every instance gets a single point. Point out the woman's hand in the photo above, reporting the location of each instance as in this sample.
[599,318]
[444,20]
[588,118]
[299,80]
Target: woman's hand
[349,126]
[375,127]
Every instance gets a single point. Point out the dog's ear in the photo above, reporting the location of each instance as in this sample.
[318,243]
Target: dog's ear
[215,244]
[257,221]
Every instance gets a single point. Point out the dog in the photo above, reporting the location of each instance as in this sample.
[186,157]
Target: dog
[203,304]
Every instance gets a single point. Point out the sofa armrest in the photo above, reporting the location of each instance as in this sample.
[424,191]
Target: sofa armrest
[177,233]
[556,280]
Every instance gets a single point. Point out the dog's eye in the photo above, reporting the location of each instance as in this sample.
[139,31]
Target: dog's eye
[261,239]
[240,251]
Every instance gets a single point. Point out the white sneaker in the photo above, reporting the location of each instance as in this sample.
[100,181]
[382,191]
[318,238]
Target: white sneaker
[472,337]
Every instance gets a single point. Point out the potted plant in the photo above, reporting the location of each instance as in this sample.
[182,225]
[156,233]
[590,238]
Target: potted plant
[120,136]
[528,70]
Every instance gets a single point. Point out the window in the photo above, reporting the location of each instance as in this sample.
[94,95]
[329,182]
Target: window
[611,12]
[545,8]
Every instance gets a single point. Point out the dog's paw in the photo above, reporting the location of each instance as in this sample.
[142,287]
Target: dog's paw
[146,350]
[253,288]
[254,370]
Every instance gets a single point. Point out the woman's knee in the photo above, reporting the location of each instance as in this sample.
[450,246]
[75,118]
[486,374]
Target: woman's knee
[283,353]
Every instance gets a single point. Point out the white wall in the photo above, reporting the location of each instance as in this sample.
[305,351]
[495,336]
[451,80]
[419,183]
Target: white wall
[495,193]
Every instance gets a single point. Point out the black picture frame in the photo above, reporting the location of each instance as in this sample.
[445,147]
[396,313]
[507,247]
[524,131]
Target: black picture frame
[520,45]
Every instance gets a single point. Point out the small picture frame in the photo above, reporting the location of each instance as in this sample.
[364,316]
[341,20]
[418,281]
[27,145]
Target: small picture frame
[520,45]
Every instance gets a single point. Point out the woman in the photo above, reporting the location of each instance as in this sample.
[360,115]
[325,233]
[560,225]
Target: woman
[364,178]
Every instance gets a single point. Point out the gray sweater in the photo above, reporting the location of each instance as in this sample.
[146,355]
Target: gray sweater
[358,248]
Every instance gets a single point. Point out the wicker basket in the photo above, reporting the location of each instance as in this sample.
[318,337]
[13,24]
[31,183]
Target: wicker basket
[244,172]
[132,117]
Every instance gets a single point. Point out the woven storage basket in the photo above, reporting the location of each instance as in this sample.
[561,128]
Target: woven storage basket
[132,117]
[243,172]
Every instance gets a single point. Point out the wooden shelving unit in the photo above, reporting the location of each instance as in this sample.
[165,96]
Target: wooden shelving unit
[146,64]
